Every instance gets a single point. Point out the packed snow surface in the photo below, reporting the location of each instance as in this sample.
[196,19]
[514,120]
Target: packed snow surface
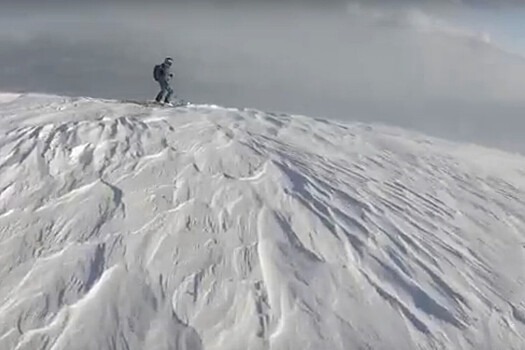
[204,228]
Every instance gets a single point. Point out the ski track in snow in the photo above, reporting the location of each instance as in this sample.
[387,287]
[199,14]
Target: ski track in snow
[125,227]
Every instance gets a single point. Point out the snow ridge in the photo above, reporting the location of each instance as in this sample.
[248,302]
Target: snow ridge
[126,227]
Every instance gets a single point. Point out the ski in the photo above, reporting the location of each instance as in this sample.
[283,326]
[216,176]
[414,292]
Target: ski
[176,104]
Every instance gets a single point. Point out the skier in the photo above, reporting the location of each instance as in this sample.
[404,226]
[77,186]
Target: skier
[162,74]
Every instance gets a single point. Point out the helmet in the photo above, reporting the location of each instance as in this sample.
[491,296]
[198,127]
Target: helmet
[168,61]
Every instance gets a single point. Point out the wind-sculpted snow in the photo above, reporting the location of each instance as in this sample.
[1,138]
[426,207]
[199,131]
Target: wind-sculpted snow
[127,227]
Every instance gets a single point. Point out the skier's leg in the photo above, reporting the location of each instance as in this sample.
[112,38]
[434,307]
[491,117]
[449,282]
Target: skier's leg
[159,96]
[169,94]
[162,92]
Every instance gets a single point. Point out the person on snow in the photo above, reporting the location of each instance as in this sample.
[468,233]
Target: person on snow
[162,74]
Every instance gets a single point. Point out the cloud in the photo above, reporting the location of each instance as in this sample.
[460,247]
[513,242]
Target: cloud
[412,18]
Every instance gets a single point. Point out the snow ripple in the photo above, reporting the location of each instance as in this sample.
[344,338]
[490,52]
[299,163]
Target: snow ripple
[128,227]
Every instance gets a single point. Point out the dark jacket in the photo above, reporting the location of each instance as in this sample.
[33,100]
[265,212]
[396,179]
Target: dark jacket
[165,73]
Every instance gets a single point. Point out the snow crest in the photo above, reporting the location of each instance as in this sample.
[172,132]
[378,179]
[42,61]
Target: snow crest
[126,227]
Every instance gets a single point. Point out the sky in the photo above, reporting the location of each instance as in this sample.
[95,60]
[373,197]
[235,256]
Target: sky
[449,70]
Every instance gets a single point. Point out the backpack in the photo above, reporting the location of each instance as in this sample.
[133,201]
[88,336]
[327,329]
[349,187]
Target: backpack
[157,72]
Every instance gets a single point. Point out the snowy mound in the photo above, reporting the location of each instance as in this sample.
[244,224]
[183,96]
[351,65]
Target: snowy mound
[128,227]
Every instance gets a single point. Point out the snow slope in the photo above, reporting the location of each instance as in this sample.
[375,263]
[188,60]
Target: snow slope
[126,227]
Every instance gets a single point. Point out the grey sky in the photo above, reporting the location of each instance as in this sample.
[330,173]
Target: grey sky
[406,65]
